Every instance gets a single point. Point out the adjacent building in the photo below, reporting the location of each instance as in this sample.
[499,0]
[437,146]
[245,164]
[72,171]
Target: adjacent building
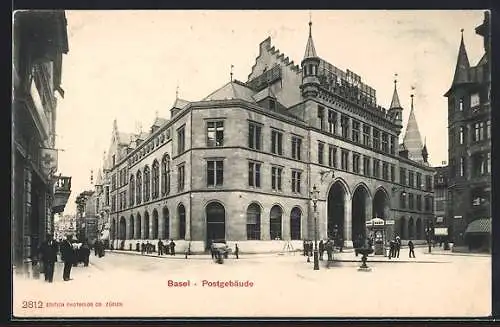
[469,131]
[441,204]
[39,42]
[240,164]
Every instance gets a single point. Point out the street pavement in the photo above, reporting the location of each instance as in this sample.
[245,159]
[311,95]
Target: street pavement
[131,285]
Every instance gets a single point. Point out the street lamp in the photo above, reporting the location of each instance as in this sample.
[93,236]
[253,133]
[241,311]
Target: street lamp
[314,198]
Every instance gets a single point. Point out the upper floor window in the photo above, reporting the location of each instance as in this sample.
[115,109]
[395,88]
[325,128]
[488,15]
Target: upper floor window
[402,200]
[131,192]
[254,174]
[392,149]
[114,160]
[332,156]
[147,184]
[419,181]
[461,105]
[474,100]
[113,182]
[419,202]
[296,147]
[321,147]
[411,201]
[215,172]
[461,135]
[355,162]
[376,139]
[276,173]
[215,133]
[366,166]
[402,176]
[376,168]
[366,135]
[385,142]
[296,176]
[332,122]
[344,159]
[428,182]
[385,170]
[344,125]
[321,116]
[276,142]
[181,140]
[254,136]
[393,173]
[165,175]
[180,177]
[106,195]
[355,131]
[156,179]
[411,179]
[488,129]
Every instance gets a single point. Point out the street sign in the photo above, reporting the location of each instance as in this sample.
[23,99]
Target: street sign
[390,222]
[457,217]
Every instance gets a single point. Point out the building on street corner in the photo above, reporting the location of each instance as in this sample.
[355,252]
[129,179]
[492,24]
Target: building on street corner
[39,42]
[469,131]
[240,163]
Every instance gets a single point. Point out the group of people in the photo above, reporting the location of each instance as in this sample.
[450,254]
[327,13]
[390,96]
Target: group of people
[71,254]
[167,248]
[327,246]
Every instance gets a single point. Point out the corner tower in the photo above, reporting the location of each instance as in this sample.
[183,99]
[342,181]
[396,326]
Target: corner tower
[310,64]
[395,110]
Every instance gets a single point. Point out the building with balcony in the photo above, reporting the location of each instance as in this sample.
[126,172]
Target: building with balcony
[240,164]
[469,132]
[39,41]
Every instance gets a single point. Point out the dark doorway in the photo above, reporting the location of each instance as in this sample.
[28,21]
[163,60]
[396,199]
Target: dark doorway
[336,202]
[181,211]
[295,217]
[146,225]
[166,223]
[123,229]
[381,205]
[131,235]
[359,202]
[216,222]
[154,235]
[138,227]
[275,221]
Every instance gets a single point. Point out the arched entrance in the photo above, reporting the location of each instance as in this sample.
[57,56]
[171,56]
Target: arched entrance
[146,225]
[181,212]
[123,229]
[253,222]
[131,234]
[275,220]
[113,229]
[381,204]
[216,222]
[419,229]
[336,210]
[411,229]
[295,218]
[166,223]
[138,227]
[360,214]
[154,234]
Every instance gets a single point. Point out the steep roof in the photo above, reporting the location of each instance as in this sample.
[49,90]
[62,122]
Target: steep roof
[180,104]
[159,121]
[462,66]
[232,90]
[395,98]
[412,140]
[310,49]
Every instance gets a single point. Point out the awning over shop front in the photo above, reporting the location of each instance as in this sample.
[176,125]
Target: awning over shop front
[479,226]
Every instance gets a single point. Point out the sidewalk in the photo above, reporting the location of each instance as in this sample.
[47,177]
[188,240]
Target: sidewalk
[440,251]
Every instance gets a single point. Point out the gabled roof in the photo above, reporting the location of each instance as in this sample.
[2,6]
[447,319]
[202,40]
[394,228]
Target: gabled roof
[232,90]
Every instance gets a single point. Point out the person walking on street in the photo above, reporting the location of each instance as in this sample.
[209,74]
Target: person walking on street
[321,249]
[397,246]
[160,248]
[392,249]
[305,248]
[68,256]
[48,251]
[172,247]
[411,247]
[236,251]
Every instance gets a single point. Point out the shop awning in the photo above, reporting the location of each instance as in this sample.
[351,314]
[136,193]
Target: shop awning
[479,226]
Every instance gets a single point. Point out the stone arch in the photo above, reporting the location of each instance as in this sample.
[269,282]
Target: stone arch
[381,204]
[166,223]
[295,223]
[181,216]
[138,227]
[337,196]
[254,221]
[215,214]
[131,227]
[122,229]
[156,225]
[276,222]
[145,231]
[361,211]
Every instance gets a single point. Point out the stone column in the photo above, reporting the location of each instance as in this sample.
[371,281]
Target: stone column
[337,124]
[285,225]
[143,226]
[347,221]
[349,128]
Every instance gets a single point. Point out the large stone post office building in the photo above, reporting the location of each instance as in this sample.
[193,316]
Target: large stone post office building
[240,164]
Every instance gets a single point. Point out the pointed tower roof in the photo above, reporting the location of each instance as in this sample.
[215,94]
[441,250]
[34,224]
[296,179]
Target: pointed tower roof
[395,98]
[412,139]
[310,50]
[98,180]
[463,65]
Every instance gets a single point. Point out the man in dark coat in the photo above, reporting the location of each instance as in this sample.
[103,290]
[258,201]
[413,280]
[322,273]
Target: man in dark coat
[172,247]
[236,251]
[68,256]
[85,253]
[321,249]
[397,247]
[160,247]
[392,249]
[48,251]
[411,247]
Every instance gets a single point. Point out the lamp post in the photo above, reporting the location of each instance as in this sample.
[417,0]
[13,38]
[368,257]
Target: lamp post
[314,198]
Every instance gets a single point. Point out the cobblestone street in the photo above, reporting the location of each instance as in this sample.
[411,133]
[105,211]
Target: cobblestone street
[138,286]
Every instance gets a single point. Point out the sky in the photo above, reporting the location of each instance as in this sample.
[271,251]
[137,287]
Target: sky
[127,65]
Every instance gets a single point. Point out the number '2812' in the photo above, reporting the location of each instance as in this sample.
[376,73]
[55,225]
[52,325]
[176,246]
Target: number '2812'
[32,304]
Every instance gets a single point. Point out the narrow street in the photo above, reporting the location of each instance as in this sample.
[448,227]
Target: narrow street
[132,285]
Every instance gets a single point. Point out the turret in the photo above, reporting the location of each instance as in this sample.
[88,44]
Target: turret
[395,110]
[310,64]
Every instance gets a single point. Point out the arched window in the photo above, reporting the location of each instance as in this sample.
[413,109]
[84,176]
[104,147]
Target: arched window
[156,181]
[182,221]
[275,223]
[147,184]
[295,217]
[138,194]
[253,222]
[132,190]
[165,175]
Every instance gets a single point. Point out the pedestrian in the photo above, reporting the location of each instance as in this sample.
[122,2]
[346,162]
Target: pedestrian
[305,248]
[411,248]
[85,253]
[48,251]
[96,248]
[397,246]
[160,247]
[68,256]
[341,244]
[172,247]
[321,249]
[236,251]
[143,248]
[392,249]
[329,250]
[311,248]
